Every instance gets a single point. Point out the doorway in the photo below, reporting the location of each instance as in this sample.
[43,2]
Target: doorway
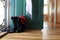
[49,14]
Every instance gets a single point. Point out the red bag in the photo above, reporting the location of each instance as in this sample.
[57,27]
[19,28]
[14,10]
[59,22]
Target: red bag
[23,19]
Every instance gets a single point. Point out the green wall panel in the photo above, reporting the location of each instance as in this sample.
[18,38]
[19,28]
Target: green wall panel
[37,15]
[24,7]
[19,7]
[12,13]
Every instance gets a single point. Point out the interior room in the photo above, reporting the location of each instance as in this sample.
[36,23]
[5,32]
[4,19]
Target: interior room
[29,20]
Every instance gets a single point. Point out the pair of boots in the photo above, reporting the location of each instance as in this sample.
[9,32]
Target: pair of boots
[18,26]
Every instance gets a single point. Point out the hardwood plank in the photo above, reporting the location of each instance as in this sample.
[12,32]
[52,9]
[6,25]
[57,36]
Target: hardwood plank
[53,34]
[2,34]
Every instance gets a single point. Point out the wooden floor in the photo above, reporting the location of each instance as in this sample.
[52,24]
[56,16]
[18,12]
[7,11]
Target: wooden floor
[52,34]
[2,33]
[45,34]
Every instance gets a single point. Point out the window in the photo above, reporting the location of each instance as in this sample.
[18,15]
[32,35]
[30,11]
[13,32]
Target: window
[2,11]
[45,1]
[46,6]
[45,9]
[29,8]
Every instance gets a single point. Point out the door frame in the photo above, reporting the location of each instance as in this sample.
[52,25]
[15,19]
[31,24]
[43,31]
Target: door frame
[7,13]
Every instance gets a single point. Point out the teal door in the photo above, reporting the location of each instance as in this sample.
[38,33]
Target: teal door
[18,8]
[36,22]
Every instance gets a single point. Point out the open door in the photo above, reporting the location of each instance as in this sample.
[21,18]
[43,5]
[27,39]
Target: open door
[49,14]
[4,16]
